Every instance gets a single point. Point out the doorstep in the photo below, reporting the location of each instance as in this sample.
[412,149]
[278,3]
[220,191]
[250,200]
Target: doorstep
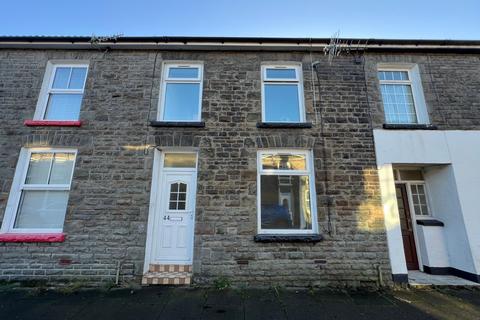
[421,279]
[168,274]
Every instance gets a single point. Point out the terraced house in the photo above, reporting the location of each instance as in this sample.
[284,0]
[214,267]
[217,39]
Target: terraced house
[254,161]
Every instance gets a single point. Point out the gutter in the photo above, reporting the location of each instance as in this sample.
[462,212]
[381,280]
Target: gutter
[239,44]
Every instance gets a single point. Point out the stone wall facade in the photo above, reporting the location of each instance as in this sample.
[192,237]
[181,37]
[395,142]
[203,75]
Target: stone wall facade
[450,84]
[106,219]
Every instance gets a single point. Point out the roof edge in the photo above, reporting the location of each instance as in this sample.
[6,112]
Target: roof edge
[232,43]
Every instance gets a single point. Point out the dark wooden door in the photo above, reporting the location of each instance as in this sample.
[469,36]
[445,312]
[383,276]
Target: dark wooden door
[406,225]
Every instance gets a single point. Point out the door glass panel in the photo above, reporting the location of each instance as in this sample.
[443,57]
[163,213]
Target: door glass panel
[178,195]
[180,160]
[411,175]
[284,161]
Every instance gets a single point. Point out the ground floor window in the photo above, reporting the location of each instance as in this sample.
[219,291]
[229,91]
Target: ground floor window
[39,196]
[285,192]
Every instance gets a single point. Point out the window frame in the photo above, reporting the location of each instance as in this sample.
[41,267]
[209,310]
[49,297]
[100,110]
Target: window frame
[415,85]
[47,89]
[309,171]
[167,65]
[408,184]
[18,186]
[276,81]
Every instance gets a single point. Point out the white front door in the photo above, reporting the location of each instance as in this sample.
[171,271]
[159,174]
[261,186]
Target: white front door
[175,219]
[172,217]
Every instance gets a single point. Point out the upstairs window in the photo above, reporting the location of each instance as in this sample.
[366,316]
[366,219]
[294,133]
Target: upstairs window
[62,97]
[181,92]
[402,96]
[282,94]
[286,192]
[39,196]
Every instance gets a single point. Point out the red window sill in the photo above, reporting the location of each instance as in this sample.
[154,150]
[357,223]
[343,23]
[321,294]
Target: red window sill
[52,123]
[32,237]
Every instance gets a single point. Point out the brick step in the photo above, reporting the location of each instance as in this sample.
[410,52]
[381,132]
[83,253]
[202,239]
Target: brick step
[171,274]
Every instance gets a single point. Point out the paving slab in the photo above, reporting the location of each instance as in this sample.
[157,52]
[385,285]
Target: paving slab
[263,304]
[184,304]
[224,304]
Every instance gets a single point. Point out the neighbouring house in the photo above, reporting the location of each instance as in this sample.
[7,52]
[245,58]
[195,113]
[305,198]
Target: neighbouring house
[259,161]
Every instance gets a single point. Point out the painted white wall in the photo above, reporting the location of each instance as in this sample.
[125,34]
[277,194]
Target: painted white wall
[433,246]
[465,152]
[453,188]
[445,206]
[392,220]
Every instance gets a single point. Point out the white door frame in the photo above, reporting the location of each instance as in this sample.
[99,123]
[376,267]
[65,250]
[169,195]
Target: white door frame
[153,217]
[413,216]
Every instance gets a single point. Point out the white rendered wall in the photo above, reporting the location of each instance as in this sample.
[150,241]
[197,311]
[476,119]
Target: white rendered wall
[433,246]
[454,188]
[446,207]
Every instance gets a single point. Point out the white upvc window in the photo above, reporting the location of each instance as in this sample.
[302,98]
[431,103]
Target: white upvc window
[282,93]
[40,190]
[416,190]
[181,92]
[402,94]
[62,91]
[286,192]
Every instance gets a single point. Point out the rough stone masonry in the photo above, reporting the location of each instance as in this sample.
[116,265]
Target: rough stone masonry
[106,218]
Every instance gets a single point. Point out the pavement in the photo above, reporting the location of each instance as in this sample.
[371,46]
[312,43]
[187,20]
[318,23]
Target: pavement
[275,303]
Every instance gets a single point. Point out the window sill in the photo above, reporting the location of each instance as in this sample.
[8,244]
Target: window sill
[194,124]
[52,123]
[309,238]
[32,237]
[392,126]
[284,125]
[430,223]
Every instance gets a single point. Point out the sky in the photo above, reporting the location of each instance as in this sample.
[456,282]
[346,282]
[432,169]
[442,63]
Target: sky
[405,19]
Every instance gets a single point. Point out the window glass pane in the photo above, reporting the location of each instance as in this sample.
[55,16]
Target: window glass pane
[180,160]
[393,75]
[284,161]
[38,168]
[285,202]
[178,195]
[77,79]
[411,175]
[181,101]
[281,74]
[63,107]
[398,103]
[42,209]
[62,168]
[182,73]
[181,205]
[419,199]
[282,103]
[60,81]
